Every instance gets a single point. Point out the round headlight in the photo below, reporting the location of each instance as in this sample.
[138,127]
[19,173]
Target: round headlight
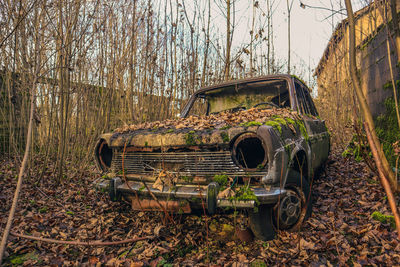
[103,154]
[249,152]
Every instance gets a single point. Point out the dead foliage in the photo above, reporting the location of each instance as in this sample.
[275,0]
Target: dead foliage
[219,120]
[340,230]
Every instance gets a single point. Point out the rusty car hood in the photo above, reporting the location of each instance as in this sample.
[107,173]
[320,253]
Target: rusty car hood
[215,129]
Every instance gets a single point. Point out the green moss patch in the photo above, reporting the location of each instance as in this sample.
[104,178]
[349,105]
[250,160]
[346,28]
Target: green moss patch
[386,219]
[187,179]
[221,179]
[388,85]
[387,130]
[225,137]
[20,259]
[302,128]
[356,149]
[280,120]
[245,194]
[290,120]
[226,127]
[251,123]
[191,139]
[276,125]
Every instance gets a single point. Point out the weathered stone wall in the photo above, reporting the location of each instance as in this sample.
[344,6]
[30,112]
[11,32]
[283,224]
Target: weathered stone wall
[375,71]
[335,95]
[336,98]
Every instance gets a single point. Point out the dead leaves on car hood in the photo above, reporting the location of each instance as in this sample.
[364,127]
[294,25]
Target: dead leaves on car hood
[217,121]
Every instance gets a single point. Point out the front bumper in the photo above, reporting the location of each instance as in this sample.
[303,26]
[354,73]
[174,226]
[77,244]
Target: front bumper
[191,193]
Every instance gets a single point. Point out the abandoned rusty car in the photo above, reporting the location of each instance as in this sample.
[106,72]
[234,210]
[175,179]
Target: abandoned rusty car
[251,144]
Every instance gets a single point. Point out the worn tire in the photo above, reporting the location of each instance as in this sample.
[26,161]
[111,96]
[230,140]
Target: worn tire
[261,223]
[296,206]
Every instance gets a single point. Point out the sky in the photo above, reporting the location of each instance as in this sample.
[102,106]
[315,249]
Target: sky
[311,27]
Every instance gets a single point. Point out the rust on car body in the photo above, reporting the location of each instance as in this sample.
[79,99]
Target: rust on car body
[160,205]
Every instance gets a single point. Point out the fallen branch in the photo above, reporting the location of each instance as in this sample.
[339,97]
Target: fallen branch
[384,181]
[167,215]
[82,243]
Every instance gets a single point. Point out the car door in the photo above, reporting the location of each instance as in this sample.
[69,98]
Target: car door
[318,136]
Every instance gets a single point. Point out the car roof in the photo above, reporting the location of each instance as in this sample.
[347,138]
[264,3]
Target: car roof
[246,80]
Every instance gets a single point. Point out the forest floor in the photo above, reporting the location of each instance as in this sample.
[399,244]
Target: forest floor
[340,231]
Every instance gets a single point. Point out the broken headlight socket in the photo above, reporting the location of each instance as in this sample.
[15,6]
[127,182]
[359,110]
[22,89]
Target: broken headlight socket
[249,152]
[103,154]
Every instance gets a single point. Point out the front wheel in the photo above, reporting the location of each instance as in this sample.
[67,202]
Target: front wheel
[261,223]
[288,214]
[296,206]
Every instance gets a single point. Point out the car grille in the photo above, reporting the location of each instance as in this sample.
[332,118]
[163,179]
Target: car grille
[180,163]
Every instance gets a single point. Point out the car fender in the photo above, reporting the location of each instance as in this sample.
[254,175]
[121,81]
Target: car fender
[277,155]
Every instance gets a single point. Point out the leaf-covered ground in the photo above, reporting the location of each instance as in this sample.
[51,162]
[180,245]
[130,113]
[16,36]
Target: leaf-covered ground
[340,231]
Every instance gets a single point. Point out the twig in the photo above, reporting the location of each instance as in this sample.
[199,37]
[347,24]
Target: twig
[392,79]
[18,23]
[206,221]
[384,181]
[334,236]
[363,143]
[123,165]
[82,243]
[158,202]
[167,215]
[397,164]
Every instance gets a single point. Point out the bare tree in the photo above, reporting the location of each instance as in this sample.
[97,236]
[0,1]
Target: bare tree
[289,5]
[387,171]
[37,68]
[395,24]
[228,40]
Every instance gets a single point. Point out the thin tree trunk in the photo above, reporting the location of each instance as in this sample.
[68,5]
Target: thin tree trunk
[269,36]
[384,181]
[363,101]
[393,82]
[228,40]
[207,41]
[289,10]
[397,47]
[24,161]
[252,38]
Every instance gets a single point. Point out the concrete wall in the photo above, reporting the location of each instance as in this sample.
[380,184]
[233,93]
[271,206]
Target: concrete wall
[336,99]
[375,71]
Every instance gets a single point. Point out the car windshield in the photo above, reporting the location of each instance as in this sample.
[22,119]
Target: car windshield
[264,94]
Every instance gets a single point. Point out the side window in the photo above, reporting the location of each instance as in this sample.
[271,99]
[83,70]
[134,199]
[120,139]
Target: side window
[200,107]
[310,102]
[303,106]
[305,101]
